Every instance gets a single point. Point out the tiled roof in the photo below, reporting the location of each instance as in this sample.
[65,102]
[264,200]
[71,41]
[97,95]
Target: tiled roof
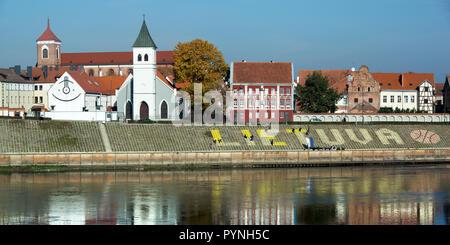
[161,76]
[110,83]
[48,35]
[9,75]
[52,76]
[88,84]
[262,72]
[337,79]
[439,88]
[402,81]
[110,58]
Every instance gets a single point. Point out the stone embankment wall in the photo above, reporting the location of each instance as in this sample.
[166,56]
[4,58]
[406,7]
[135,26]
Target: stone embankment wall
[226,159]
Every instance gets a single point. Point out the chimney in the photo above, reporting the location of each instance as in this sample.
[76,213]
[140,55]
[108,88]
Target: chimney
[17,69]
[30,72]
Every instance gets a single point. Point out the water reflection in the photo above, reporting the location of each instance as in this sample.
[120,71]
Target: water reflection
[357,196]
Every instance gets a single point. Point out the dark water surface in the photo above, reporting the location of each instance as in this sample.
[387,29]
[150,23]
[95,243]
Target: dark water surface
[348,195]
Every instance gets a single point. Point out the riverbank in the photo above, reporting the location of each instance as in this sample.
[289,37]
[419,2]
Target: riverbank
[45,162]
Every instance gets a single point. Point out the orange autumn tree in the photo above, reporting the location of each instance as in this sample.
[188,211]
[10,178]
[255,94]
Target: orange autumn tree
[199,61]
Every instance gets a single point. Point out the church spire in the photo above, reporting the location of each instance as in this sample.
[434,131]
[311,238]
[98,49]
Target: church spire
[48,35]
[144,40]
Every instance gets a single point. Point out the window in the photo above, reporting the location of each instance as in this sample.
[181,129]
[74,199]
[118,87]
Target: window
[36,99]
[281,103]
[266,91]
[356,100]
[35,87]
[405,98]
[241,91]
[40,87]
[257,103]
[257,114]
[412,98]
[273,91]
[41,99]
[91,72]
[242,115]
[266,115]
[370,100]
[111,72]
[139,57]
[250,103]
[235,91]
[281,115]
[288,103]
[235,103]
[272,114]
[426,89]
[267,103]
[250,90]
[257,91]
[288,91]
[425,101]
[384,99]
[359,89]
[399,99]
[45,53]
[146,57]
[241,103]
[368,89]
[250,115]
[57,53]
[392,98]
[282,91]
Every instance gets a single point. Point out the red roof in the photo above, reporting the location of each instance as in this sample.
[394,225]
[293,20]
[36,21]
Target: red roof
[402,81]
[110,83]
[88,84]
[262,72]
[48,35]
[52,76]
[161,76]
[337,79]
[111,58]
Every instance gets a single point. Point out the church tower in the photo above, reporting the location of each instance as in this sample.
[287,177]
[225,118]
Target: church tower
[144,76]
[48,48]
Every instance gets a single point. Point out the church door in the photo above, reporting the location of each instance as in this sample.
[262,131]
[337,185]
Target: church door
[128,111]
[144,111]
[164,110]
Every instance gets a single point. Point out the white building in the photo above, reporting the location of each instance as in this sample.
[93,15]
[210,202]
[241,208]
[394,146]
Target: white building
[146,94]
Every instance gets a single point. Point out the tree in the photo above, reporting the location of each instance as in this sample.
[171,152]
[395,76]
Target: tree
[316,96]
[200,62]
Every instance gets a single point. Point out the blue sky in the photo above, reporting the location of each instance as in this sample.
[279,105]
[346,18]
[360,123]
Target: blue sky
[385,35]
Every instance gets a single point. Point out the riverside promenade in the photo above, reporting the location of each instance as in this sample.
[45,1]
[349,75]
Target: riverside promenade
[65,144]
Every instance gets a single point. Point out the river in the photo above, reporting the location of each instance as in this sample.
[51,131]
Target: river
[413,194]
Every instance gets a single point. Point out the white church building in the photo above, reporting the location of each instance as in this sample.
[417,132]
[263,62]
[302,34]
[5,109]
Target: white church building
[146,94]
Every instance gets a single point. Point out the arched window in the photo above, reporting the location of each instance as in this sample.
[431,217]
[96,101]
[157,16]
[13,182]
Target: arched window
[45,53]
[164,110]
[111,72]
[91,72]
[146,57]
[139,57]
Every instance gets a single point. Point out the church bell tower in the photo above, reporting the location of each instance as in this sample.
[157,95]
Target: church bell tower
[48,48]
[144,76]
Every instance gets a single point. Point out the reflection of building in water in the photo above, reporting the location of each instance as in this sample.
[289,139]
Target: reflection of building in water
[153,209]
[66,209]
[278,212]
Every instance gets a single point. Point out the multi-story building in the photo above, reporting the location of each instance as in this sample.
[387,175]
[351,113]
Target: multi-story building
[16,91]
[413,91]
[446,96]
[359,90]
[262,91]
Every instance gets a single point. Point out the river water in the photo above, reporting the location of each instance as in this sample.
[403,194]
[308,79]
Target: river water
[414,194]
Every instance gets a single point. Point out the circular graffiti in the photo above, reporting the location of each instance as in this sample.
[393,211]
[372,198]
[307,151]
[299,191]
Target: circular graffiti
[425,136]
